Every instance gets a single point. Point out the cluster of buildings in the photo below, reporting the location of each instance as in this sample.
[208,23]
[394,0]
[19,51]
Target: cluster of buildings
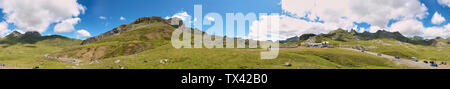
[324,44]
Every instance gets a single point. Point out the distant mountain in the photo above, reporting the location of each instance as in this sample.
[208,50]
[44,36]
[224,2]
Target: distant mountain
[29,37]
[344,35]
[292,39]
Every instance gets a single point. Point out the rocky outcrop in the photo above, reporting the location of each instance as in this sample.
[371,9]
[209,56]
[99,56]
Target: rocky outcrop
[115,31]
[14,35]
[394,35]
[306,36]
[123,28]
[32,34]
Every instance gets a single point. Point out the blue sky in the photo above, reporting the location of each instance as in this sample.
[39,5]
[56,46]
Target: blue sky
[131,10]
[433,6]
[112,10]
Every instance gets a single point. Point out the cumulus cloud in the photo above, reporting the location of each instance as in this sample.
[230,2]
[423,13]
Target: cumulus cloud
[289,27]
[323,16]
[122,18]
[66,25]
[447,26]
[374,29]
[345,12]
[361,30]
[37,15]
[444,2]
[83,33]
[415,28]
[210,18]
[3,29]
[410,27]
[437,19]
[102,17]
[183,16]
[433,32]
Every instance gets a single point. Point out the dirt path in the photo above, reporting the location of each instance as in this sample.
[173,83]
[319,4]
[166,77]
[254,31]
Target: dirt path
[406,62]
[67,60]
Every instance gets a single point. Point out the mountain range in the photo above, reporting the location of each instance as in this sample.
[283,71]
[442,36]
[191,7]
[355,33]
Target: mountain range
[352,35]
[146,42]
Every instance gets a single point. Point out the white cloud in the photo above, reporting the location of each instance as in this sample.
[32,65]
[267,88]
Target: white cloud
[102,17]
[433,32]
[444,2]
[37,15]
[122,18]
[410,27]
[374,29]
[4,29]
[447,26]
[416,28]
[289,27]
[83,33]
[361,30]
[210,18]
[345,12]
[66,25]
[183,16]
[437,19]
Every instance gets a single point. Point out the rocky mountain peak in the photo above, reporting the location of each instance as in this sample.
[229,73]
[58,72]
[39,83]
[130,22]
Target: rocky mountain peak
[32,34]
[123,28]
[14,34]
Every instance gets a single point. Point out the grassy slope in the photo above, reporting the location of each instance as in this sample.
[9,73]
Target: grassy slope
[127,43]
[304,58]
[29,55]
[404,50]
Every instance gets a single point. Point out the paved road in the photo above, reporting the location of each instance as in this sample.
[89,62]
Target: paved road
[406,62]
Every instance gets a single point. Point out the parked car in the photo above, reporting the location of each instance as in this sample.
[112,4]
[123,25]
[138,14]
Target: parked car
[1,64]
[414,59]
[379,54]
[397,57]
[432,62]
[434,65]
[443,63]
[36,67]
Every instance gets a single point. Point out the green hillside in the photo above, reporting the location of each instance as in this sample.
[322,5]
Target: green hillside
[243,59]
[142,36]
[145,44]
[26,54]
[404,50]
[391,43]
